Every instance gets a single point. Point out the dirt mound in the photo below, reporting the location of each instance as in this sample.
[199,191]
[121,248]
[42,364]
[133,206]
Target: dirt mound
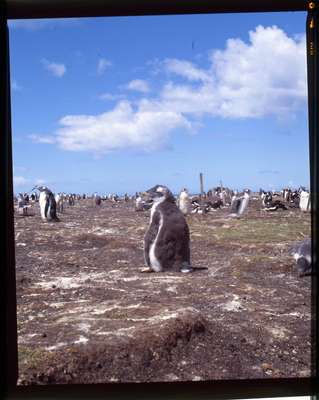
[128,358]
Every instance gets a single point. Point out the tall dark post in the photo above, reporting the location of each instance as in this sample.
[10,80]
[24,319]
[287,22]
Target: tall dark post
[201,181]
[312,31]
[7,265]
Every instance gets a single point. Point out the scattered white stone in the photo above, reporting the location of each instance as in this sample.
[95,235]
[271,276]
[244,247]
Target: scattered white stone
[233,305]
[85,327]
[57,346]
[81,339]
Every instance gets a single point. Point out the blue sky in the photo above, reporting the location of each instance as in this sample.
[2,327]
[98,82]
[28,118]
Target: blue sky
[121,104]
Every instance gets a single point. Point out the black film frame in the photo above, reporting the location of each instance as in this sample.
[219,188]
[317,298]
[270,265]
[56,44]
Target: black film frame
[18,9]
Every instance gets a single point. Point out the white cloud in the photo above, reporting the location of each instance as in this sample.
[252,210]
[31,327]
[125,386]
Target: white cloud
[266,76]
[186,69]
[56,69]
[45,139]
[20,181]
[121,128]
[102,64]
[139,85]
[110,96]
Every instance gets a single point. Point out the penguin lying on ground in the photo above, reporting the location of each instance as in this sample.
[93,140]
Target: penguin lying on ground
[206,206]
[47,204]
[272,205]
[167,240]
[302,254]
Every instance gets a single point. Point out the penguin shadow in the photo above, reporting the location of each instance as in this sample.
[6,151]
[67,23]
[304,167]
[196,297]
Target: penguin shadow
[25,215]
[21,214]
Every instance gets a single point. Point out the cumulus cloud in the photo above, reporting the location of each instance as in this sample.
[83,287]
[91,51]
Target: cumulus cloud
[264,76]
[186,69]
[45,139]
[139,85]
[110,96]
[121,128]
[102,64]
[56,69]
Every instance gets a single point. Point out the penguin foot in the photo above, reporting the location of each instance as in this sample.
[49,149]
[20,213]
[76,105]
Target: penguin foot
[146,269]
[185,269]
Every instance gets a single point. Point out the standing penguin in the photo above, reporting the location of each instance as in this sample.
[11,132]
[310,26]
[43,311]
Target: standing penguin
[304,203]
[184,202]
[166,242]
[97,199]
[139,204]
[47,204]
[239,204]
[59,202]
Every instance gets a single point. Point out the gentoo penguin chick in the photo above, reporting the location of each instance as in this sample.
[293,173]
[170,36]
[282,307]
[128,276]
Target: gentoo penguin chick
[302,254]
[167,240]
[47,204]
[239,204]
[97,199]
[184,202]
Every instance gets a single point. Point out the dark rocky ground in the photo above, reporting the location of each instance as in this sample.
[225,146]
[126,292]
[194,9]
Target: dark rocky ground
[87,315]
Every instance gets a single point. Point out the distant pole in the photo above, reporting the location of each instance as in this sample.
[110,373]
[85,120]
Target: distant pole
[221,185]
[201,184]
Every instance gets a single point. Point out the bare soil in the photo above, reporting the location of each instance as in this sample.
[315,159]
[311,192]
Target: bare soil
[86,314]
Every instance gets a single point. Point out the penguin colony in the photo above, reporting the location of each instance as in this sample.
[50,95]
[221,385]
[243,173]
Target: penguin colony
[167,240]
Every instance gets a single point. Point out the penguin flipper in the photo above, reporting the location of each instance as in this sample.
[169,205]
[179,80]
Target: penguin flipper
[150,237]
[46,208]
